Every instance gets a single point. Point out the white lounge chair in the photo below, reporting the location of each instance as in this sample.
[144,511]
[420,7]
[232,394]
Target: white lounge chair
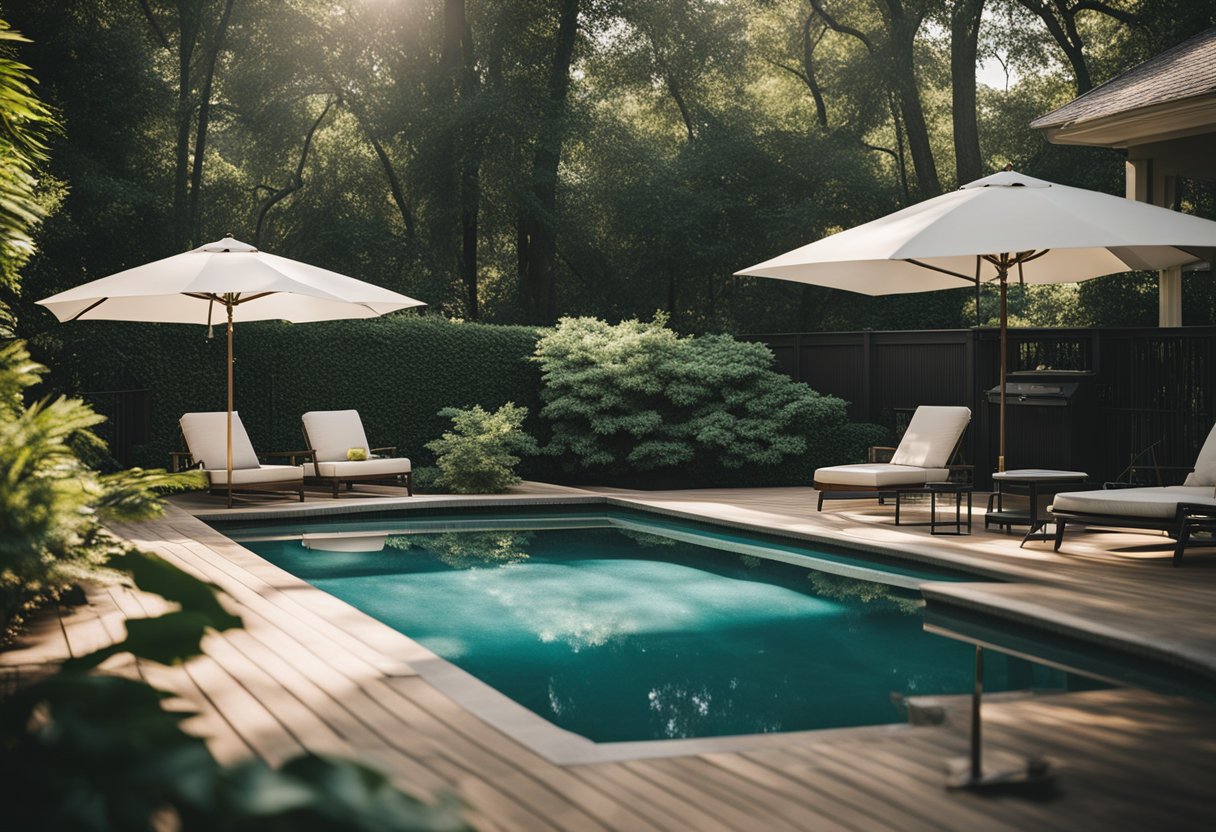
[923,456]
[206,436]
[331,434]
[1177,510]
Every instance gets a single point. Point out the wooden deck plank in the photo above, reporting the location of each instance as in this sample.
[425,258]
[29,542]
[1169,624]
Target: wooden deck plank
[223,741]
[832,813]
[751,795]
[726,806]
[654,805]
[255,723]
[84,630]
[867,770]
[877,814]
[41,641]
[312,733]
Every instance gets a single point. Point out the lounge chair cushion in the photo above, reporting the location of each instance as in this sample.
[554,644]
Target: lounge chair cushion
[206,437]
[1155,503]
[375,467]
[334,432]
[879,475]
[931,436]
[253,476]
[1205,465]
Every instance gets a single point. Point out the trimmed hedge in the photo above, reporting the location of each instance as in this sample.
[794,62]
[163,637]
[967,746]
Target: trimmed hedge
[398,372]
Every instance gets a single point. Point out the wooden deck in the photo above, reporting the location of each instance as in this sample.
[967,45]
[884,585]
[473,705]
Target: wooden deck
[309,672]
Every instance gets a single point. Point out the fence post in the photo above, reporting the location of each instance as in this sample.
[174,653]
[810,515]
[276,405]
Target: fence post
[867,339]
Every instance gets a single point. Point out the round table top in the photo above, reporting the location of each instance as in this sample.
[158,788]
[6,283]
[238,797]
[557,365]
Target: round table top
[1039,474]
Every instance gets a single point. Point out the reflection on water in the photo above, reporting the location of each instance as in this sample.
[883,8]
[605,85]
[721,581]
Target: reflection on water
[467,550]
[840,588]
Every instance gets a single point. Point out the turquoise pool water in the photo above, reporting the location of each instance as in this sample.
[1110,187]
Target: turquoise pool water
[617,629]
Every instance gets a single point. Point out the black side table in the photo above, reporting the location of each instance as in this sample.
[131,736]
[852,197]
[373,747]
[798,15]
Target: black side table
[957,523]
[1038,486]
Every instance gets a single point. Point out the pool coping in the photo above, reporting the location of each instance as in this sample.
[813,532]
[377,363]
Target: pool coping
[404,656]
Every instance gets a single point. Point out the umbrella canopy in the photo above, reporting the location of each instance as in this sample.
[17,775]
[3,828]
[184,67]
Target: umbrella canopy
[225,281]
[1000,226]
[262,287]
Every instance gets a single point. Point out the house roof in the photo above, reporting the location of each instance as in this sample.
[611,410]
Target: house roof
[1171,94]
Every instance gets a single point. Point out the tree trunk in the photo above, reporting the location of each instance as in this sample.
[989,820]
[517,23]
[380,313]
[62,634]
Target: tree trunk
[464,162]
[470,178]
[394,185]
[1067,37]
[188,24]
[903,69]
[965,19]
[808,68]
[276,195]
[204,118]
[537,239]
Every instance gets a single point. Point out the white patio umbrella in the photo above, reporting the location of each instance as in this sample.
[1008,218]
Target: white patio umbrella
[229,280]
[1002,226]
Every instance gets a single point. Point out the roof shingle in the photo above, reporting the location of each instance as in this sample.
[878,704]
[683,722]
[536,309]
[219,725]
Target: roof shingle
[1187,70]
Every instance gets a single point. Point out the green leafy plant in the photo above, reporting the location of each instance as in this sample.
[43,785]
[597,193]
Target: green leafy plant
[479,454]
[52,503]
[637,396]
[25,123]
[87,750]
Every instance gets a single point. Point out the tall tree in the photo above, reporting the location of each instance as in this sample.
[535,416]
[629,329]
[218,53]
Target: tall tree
[464,82]
[892,48]
[1060,17]
[536,236]
[203,122]
[965,20]
[193,108]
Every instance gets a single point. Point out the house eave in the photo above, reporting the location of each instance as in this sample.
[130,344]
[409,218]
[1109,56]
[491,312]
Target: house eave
[1143,125]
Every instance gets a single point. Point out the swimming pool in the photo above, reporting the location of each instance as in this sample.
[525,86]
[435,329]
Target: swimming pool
[619,627]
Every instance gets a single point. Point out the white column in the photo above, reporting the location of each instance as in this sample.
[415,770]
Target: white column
[1143,186]
[1169,297]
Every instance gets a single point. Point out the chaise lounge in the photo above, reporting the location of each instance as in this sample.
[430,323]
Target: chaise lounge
[206,436]
[1177,510]
[332,434]
[923,456]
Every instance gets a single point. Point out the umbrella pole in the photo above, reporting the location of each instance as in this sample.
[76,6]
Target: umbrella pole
[1000,459]
[228,481]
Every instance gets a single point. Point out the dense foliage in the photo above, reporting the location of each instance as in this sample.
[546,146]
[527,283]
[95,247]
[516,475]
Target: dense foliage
[479,453]
[52,502]
[523,160]
[25,123]
[398,372]
[85,750]
[638,397]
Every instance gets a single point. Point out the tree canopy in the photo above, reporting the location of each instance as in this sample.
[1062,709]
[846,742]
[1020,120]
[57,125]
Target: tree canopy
[522,160]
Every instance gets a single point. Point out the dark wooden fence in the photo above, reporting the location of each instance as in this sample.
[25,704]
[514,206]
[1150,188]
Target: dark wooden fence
[128,420]
[1148,392]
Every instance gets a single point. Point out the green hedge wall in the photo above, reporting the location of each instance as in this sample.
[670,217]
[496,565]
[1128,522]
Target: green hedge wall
[398,372]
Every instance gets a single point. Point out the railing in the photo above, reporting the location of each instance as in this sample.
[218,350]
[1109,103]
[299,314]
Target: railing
[1150,387]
